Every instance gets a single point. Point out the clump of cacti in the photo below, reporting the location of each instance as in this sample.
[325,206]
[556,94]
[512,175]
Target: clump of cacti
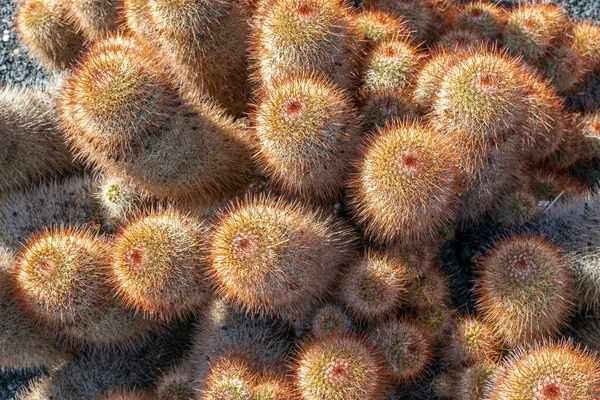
[303,200]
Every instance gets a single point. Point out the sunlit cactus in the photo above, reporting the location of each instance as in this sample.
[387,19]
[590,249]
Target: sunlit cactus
[96,18]
[376,25]
[230,377]
[547,370]
[120,112]
[262,248]
[307,133]
[299,35]
[525,289]
[338,366]
[48,33]
[484,18]
[405,187]
[473,341]
[160,264]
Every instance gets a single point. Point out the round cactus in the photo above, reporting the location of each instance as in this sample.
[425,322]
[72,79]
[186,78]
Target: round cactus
[589,126]
[338,366]
[547,371]
[473,341]
[272,387]
[307,133]
[379,108]
[391,65]
[469,383]
[429,78]
[160,264]
[195,36]
[269,255]
[525,288]
[330,319]
[120,112]
[299,35]
[123,394]
[372,286]
[406,347]
[119,200]
[429,291]
[61,275]
[532,29]
[486,19]
[230,377]
[47,31]
[405,187]
[461,40]
[376,25]
[96,18]
[177,383]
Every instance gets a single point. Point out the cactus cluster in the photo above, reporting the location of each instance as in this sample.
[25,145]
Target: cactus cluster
[301,200]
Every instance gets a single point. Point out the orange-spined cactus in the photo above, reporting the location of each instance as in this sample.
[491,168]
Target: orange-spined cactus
[96,18]
[307,133]
[121,112]
[269,255]
[338,366]
[160,264]
[405,186]
[525,288]
[48,33]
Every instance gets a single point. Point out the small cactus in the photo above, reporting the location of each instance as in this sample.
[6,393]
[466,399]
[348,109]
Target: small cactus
[376,25]
[486,19]
[96,18]
[230,377]
[330,319]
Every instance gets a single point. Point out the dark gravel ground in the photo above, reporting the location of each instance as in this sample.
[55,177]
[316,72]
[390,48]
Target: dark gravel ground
[17,68]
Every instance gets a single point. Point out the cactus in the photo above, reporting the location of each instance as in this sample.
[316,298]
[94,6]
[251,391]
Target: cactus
[31,146]
[473,341]
[121,113]
[429,291]
[22,344]
[470,382]
[307,133]
[195,36]
[96,18]
[376,25]
[550,370]
[338,366]
[589,126]
[380,108]
[330,319]
[291,36]
[480,17]
[407,348]
[373,285]
[405,187]
[461,40]
[230,377]
[121,394]
[159,264]
[177,383]
[263,247]
[525,288]
[430,76]
[48,33]
[532,29]
[272,388]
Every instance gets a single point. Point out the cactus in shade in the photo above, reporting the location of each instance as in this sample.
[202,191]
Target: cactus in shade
[224,328]
[70,201]
[405,187]
[160,265]
[547,370]
[307,133]
[407,349]
[376,25]
[137,19]
[429,291]
[473,341]
[194,37]
[469,382]
[48,33]
[230,377]
[438,319]
[422,17]
[589,126]
[298,35]
[177,383]
[377,109]
[533,29]
[22,344]
[391,65]
[430,76]
[96,18]
[518,208]
[486,19]
[338,367]
[120,112]
[269,255]
[331,319]
[461,40]
[123,394]
[372,286]
[31,146]
[525,288]
[272,387]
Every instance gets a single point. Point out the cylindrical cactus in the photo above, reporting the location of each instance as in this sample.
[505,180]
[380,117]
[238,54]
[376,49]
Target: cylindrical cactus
[159,264]
[376,25]
[269,255]
[31,145]
[338,366]
[96,18]
[405,187]
[47,31]
[120,112]
[307,133]
[525,288]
